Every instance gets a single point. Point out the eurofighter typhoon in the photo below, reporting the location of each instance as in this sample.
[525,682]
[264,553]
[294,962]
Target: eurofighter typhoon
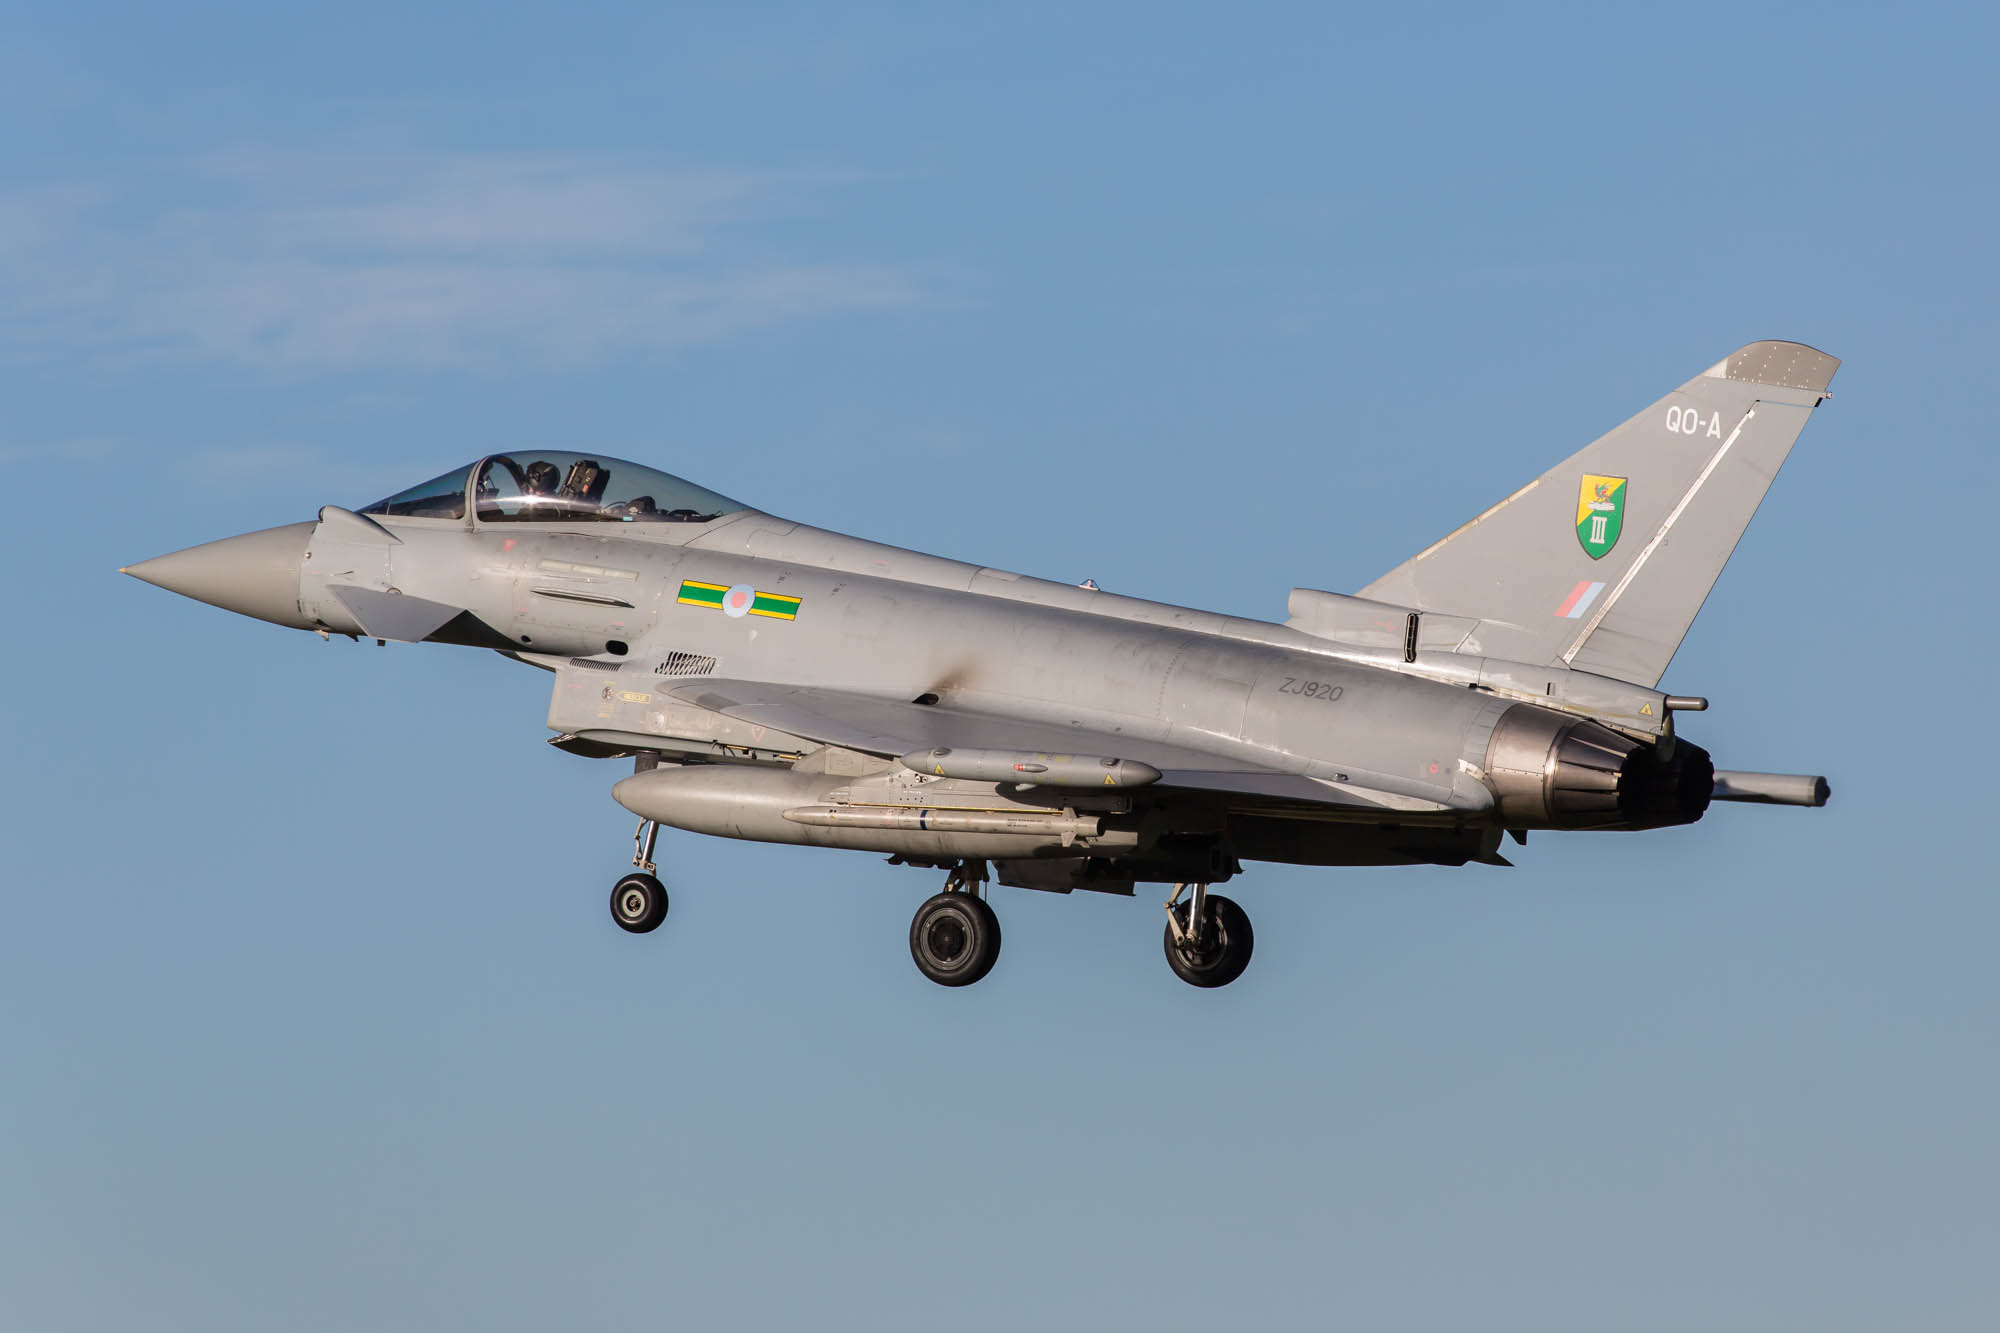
[777,682]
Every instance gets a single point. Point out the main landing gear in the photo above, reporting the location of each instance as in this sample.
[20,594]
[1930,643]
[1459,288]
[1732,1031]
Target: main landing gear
[955,938]
[1208,937]
[639,901]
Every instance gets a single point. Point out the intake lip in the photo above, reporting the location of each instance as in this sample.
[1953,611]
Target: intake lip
[253,574]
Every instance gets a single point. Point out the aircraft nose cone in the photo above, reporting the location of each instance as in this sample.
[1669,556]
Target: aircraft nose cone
[255,574]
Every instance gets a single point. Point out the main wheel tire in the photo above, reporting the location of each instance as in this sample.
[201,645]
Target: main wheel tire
[1227,952]
[639,903]
[955,939]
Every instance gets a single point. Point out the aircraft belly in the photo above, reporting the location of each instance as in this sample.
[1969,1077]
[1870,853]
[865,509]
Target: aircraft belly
[1306,842]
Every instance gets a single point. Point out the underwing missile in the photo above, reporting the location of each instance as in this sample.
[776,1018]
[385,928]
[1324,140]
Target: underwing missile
[1041,770]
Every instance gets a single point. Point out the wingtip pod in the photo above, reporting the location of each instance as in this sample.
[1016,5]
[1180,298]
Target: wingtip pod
[1786,365]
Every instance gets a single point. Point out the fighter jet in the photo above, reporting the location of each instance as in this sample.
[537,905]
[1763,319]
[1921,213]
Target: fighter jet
[777,682]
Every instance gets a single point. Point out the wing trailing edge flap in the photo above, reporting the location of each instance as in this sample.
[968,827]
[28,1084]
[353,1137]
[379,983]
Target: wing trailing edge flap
[893,727]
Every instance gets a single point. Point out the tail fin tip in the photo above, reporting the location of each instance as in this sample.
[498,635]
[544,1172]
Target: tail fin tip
[1785,365]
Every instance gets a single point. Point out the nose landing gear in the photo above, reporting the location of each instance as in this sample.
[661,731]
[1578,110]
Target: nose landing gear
[1208,937]
[955,937]
[639,900]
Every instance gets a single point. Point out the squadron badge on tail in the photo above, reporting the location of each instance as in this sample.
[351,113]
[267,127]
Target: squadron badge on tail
[1600,514]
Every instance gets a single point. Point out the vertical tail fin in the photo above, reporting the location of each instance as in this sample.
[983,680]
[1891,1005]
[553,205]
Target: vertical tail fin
[1601,563]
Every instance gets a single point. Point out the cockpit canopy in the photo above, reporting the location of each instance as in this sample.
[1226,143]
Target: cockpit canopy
[546,486]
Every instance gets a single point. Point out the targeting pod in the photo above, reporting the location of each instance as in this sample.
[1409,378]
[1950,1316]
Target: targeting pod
[1040,770]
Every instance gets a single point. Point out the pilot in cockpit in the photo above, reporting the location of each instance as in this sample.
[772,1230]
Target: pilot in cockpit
[559,488]
[540,478]
[639,509]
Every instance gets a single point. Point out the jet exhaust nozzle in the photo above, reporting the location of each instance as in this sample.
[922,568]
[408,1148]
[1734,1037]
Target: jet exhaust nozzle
[1553,770]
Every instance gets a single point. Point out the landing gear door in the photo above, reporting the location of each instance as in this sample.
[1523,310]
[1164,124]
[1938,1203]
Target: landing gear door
[344,551]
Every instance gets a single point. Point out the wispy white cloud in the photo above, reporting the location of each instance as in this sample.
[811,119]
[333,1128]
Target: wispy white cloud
[335,261]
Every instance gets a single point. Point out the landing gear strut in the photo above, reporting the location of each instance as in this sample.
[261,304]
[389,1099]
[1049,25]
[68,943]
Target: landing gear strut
[1208,937]
[639,901]
[955,938]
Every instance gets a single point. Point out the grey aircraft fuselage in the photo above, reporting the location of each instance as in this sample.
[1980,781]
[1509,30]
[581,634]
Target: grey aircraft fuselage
[785,683]
[876,620]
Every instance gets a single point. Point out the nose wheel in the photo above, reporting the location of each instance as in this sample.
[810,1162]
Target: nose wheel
[639,903]
[1208,937]
[639,900]
[955,937]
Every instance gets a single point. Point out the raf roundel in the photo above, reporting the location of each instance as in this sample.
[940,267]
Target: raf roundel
[736,603]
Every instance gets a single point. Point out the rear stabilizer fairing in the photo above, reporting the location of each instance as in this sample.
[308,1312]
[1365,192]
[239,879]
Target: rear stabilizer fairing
[1428,645]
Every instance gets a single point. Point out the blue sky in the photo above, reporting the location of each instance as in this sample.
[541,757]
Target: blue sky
[315,1016]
